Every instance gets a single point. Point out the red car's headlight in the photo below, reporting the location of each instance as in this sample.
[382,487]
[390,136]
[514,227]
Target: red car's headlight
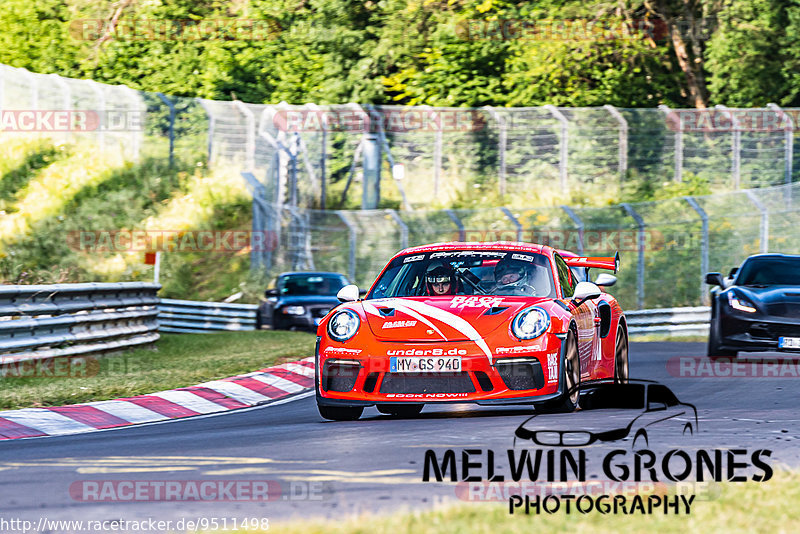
[343,325]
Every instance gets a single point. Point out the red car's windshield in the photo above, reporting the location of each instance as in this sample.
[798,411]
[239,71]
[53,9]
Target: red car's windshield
[467,272]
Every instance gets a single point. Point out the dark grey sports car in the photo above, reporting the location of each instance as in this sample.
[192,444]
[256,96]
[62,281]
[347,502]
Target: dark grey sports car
[298,300]
[757,308]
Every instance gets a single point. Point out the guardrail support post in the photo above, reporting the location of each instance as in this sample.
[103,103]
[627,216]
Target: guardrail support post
[764,238]
[514,220]
[704,244]
[640,246]
[351,268]
[578,225]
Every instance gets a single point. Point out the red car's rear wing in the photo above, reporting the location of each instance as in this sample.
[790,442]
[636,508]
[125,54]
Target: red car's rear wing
[612,264]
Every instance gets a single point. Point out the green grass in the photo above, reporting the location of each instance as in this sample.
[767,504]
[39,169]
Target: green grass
[177,361]
[740,508]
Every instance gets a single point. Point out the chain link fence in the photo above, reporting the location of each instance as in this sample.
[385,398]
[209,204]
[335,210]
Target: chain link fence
[666,247]
[308,166]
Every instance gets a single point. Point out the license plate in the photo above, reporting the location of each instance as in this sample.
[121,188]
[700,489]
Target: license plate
[438,364]
[789,342]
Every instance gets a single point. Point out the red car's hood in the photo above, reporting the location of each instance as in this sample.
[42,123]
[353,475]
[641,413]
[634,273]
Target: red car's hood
[451,318]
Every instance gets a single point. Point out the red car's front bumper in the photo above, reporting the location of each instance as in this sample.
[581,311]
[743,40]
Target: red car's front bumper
[344,378]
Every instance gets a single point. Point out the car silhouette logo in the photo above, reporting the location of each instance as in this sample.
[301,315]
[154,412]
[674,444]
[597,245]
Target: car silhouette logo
[611,411]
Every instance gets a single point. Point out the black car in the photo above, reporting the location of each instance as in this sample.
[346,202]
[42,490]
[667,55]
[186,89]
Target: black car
[641,411]
[299,300]
[757,308]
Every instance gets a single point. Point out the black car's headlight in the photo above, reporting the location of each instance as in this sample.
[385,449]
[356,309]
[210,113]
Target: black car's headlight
[740,303]
[530,323]
[294,310]
[343,325]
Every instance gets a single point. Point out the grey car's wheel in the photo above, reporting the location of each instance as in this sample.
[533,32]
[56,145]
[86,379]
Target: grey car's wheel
[340,413]
[621,374]
[400,410]
[713,350]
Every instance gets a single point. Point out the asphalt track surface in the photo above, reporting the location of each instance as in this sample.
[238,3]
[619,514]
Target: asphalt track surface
[337,469]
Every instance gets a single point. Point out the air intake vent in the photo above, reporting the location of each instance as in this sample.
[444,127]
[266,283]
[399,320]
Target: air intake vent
[495,310]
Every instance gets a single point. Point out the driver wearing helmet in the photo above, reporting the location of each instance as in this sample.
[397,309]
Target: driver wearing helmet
[512,277]
[440,280]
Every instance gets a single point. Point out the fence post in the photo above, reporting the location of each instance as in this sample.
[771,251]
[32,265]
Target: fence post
[704,245]
[210,141]
[788,150]
[563,142]
[137,135]
[101,100]
[172,114]
[462,234]
[351,268]
[640,246]
[514,220]
[384,145]
[250,143]
[403,228]
[502,145]
[623,139]
[578,225]
[262,219]
[66,102]
[736,147]
[764,238]
[678,142]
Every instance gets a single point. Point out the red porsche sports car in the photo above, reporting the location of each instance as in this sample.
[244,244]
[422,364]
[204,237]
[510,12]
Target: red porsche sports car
[490,323]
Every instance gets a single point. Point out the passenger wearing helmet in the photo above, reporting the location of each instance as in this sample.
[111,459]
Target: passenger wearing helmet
[440,280]
[512,277]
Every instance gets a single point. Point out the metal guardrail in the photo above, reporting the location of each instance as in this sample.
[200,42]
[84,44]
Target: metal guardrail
[191,316]
[674,321]
[48,321]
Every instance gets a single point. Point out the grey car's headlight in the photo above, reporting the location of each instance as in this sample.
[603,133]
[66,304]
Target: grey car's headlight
[740,303]
[530,323]
[294,310]
[343,325]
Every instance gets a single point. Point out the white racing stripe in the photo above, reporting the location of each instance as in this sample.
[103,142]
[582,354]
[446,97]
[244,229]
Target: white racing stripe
[236,391]
[128,411]
[369,308]
[51,423]
[191,401]
[419,309]
[454,321]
